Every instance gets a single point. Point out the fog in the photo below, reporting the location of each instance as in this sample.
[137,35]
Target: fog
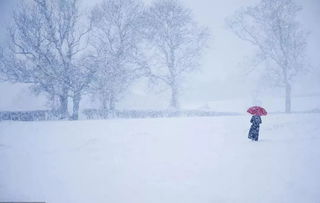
[227,70]
[154,104]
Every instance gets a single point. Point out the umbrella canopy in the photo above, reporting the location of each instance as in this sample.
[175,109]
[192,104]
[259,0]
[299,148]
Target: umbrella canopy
[257,110]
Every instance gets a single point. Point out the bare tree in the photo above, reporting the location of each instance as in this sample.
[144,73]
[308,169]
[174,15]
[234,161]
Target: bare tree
[176,44]
[46,40]
[82,75]
[116,39]
[271,26]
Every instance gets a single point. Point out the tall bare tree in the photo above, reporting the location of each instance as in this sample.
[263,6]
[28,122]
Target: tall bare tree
[116,39]
[176,44]
[46,40]
[272,27]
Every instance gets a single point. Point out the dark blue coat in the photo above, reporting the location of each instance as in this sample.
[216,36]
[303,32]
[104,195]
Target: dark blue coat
[254,129]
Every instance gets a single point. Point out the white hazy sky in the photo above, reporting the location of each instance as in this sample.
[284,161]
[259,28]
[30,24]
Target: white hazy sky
[224,66]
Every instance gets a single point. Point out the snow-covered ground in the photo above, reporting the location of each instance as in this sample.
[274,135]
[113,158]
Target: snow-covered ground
[167,160]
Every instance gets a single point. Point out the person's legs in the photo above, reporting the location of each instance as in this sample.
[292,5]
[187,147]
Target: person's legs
[250,134]
[257,135]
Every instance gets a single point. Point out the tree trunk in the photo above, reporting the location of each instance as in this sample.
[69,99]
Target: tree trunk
[63,110]
[104,103]
[112,105]
[112,102]
[174,103]
[76,104]
[288,98]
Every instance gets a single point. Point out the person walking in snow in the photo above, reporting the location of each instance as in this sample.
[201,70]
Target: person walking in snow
[254,129]
[256,112]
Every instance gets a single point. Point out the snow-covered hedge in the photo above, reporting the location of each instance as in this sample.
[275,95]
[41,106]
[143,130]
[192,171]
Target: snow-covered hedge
[40,115]
[105,114]
[28,115]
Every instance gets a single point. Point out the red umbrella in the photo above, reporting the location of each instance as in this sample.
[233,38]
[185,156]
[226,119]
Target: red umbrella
[257,110]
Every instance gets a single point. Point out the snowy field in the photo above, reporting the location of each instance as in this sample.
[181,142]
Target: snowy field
[176,160]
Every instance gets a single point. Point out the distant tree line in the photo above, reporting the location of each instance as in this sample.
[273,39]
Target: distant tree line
[65,54]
